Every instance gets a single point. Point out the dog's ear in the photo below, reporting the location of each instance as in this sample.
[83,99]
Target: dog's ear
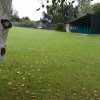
[6,23]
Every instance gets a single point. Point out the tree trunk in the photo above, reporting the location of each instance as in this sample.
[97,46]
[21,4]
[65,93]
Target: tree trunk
[5,11]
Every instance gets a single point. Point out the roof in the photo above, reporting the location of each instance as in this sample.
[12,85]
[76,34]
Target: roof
[84,19]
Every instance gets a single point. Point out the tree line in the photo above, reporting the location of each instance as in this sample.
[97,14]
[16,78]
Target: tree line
[15,17]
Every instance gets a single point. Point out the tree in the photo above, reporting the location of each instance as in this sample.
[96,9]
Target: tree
[14,16]
[95,9]
[25,19]
[84,7]
[55,3]
[60,15]
[87,8]
[46,17]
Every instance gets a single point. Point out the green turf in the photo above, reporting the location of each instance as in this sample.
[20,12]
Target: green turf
[50,65]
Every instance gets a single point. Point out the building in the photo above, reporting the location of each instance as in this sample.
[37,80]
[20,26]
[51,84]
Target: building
[87,24]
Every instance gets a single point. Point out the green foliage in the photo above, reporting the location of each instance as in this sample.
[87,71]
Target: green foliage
[15,16]
[61,2]
[55,4]
[46,18]
[95,9]
[22,22]
[60,15]
[92,9]
[25,19]
[60,26]
[84,7]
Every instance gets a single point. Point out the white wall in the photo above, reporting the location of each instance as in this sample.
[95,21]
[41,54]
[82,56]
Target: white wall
[67,28]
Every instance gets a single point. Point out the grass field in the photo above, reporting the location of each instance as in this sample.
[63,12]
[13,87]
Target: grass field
[50,65]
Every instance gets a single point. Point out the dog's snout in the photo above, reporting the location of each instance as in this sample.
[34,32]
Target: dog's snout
[3,51]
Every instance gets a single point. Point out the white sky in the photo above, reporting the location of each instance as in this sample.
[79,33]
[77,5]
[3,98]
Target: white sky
[28,8]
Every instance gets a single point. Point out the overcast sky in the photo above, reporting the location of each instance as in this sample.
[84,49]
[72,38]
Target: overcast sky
[28,8]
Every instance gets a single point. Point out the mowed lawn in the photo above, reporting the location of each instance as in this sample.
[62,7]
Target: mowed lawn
[50,65]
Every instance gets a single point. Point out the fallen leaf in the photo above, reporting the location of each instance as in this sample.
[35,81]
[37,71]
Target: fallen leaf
[33,97]
[49,90]
[27,92]
[9,83]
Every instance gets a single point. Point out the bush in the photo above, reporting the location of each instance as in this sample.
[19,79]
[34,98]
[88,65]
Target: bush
[60,27]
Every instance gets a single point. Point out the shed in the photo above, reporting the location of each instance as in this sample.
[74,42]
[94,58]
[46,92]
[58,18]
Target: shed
[87,24]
